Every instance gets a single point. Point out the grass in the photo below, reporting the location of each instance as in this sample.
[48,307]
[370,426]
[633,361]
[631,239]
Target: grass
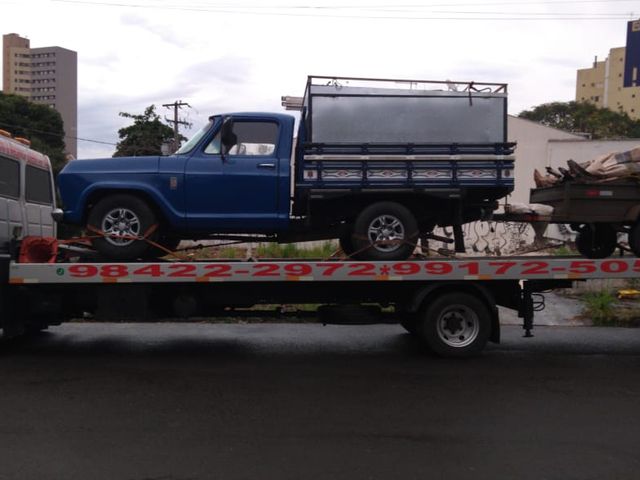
[600,308]
[605,310]
[266,250]
[563,251]
[292,250]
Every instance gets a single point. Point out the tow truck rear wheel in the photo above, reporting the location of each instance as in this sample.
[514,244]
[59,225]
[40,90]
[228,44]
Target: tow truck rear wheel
[596,240]
[122,218]
[455,324]
[385,231]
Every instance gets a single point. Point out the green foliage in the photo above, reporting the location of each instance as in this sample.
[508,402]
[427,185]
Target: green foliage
[599,306]
[145,136]
[40,124]
[291,250]
[583,117]
[563,251]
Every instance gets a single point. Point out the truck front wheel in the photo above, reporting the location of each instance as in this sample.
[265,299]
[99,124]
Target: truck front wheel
[385,231]
[122,218]
[456,324]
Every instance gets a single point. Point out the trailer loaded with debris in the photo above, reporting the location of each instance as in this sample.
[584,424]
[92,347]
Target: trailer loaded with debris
[599,199]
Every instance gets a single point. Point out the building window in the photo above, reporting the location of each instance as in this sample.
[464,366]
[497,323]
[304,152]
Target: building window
[596,98]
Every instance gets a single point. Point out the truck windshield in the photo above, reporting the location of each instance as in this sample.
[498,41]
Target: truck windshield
[193,141]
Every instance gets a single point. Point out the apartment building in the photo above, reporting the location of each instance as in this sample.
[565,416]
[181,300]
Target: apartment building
[615,82]
[45,75]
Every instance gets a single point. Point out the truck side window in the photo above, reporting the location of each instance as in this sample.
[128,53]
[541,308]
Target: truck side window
[254,138]
[38,186]
[9,178]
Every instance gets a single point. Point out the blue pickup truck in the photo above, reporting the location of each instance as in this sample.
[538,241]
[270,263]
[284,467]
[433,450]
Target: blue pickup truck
[375,163]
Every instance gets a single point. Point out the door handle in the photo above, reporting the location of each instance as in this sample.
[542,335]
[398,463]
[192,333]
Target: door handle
[266,165]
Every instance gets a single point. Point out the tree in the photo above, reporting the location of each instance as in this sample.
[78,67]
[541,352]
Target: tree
[40,124]
[145,136]
[582,117]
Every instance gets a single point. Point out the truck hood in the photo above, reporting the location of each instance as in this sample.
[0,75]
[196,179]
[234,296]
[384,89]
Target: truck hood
[114,165]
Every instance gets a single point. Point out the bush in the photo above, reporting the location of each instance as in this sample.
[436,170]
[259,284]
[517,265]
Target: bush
[599,306]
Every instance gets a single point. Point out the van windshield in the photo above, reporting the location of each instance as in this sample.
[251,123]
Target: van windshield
[193,141]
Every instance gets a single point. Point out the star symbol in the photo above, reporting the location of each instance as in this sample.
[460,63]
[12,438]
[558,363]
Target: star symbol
[384,270]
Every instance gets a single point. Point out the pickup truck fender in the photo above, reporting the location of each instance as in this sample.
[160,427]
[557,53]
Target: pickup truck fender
[96,190]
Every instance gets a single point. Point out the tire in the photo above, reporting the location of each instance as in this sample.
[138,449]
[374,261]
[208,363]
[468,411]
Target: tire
[455,324]
[135,217]
[385,221]
[596,240]
[634,239]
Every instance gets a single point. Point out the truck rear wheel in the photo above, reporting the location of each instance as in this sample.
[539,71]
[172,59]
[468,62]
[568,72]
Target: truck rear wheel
[122,218]
[596,241]
[456,324]
[385,231]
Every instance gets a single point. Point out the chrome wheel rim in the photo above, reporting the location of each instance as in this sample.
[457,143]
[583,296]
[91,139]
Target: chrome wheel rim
[119,225]
[386,233]
[458,326]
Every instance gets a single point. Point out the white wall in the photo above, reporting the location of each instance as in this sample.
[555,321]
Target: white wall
[532,152]
[562,150]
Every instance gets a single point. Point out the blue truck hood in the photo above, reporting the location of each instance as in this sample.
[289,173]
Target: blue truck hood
[114,165]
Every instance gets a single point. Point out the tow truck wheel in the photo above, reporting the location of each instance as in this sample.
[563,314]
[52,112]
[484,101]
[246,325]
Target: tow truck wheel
[122,218]
[596,241]
[455,324]
[385,231]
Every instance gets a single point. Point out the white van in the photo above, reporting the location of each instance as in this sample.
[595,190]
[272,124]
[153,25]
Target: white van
[26,191]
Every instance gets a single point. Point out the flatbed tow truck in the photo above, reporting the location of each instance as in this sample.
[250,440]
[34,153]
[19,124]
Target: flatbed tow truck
[449,304]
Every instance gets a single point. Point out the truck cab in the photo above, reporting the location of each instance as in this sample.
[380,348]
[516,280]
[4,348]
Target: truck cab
[26,192]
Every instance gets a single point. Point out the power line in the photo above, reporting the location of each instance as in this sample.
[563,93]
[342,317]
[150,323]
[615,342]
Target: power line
[361,7]
[246,11]
[54,134]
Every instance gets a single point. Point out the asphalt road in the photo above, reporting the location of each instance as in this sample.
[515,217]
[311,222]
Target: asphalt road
[197,401]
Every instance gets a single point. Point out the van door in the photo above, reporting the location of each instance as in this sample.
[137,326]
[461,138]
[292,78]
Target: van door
[38,202]
[10,214]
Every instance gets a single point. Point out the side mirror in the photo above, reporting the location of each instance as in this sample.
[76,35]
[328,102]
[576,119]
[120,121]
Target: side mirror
[227,137]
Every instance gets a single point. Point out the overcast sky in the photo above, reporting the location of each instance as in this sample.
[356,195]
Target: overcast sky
[225,56]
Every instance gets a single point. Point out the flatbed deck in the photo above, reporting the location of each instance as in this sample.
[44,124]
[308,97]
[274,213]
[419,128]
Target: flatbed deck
[303,270]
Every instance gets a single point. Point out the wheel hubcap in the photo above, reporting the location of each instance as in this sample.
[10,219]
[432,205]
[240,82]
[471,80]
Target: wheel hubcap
[386,233]
[119,225]
[458,326]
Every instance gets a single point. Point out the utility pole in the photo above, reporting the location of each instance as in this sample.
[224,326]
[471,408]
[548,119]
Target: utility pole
[176,121]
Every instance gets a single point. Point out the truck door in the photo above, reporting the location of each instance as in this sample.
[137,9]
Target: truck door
[240,191]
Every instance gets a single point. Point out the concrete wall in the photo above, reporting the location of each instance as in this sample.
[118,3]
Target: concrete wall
[581,151]
[532,152]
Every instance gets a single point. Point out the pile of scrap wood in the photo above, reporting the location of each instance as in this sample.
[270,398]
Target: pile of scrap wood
[606,168]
